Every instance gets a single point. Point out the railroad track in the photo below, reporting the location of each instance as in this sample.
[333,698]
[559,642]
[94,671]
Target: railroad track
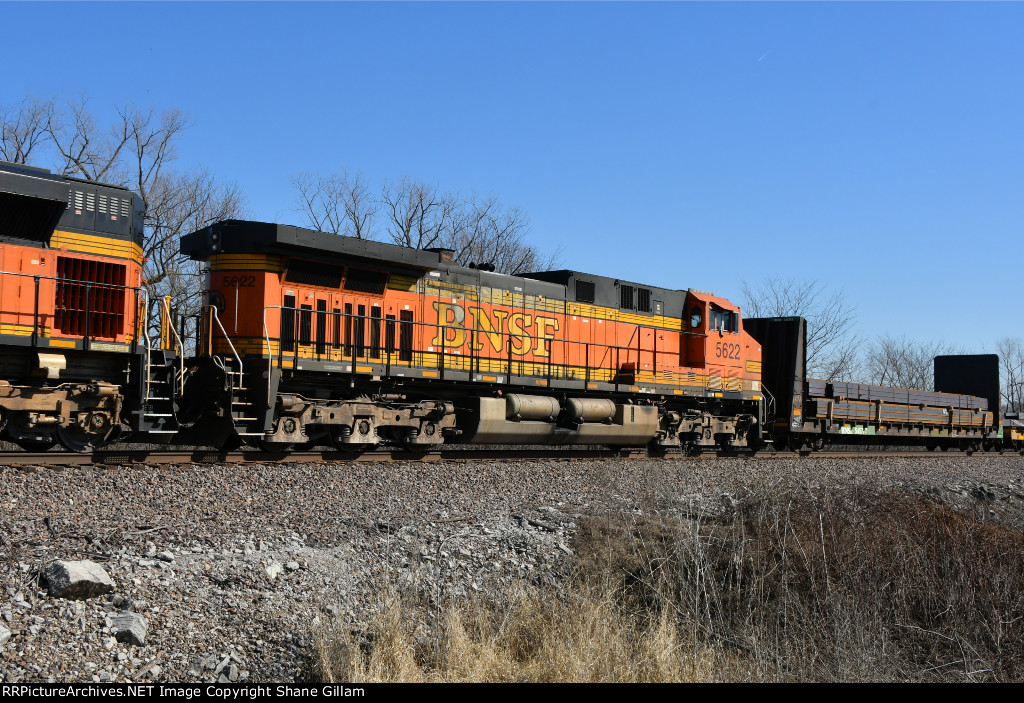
[124,457]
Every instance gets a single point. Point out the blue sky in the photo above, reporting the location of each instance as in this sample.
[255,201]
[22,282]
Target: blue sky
[874,147]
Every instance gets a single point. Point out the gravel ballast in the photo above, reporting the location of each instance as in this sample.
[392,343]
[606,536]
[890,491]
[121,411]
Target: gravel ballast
[224,573]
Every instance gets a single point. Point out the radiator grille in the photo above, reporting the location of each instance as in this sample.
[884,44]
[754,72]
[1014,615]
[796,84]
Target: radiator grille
[90,298]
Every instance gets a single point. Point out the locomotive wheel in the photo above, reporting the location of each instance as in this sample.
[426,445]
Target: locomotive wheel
[338,435]
[75,439]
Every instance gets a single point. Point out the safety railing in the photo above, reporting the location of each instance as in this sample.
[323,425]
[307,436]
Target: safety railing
[321,335]
[212,311]
[167,324]
[86,311]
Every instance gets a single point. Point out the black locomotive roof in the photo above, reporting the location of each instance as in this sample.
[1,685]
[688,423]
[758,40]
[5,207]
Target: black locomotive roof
[247,237]
[605,291]
[34,202]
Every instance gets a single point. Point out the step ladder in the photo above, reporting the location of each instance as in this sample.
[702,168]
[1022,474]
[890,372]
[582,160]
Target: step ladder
[156,414]
[247,414]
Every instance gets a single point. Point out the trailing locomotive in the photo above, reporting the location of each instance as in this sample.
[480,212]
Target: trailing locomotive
[312,337]
[72,366]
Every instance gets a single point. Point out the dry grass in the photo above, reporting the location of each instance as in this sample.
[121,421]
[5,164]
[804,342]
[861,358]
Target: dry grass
[840,587]
[536,637]
[851,587]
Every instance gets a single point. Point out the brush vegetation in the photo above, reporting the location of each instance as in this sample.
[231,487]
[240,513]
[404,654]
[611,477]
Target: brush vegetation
[793,587]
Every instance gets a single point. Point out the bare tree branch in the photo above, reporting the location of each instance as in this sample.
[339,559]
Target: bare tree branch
[339,203]
[832,343]
[417,215]
[414,214]
[24,128]
[1011,371]
[137,151]
[905,363]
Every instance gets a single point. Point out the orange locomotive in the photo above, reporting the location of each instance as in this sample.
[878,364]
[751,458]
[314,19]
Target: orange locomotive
[71,365]
[312,336]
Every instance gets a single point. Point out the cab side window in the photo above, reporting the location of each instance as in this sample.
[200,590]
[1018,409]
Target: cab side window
[724,320]
[696,317]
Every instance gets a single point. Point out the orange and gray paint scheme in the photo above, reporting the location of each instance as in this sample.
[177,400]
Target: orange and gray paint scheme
[317,302]
[70,298]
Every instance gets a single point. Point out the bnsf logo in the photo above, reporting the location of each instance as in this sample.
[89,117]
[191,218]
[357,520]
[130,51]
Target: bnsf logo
[530,332]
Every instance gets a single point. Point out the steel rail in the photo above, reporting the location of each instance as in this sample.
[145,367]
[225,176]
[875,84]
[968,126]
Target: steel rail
[124,457]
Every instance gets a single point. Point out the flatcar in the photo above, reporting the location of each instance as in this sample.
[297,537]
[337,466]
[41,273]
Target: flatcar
[313,337]
[73,367]
[961,413]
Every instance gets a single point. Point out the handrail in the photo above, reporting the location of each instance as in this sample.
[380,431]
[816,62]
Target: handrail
[769,407]
[270,356]
[89,285]
[145,334]
[216,318]
[145,323]
[69,280]
[474,334]
[181,347]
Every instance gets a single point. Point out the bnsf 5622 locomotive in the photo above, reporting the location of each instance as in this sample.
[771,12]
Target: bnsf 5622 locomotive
[318,336]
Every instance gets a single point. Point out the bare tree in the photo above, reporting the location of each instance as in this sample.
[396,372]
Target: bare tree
[417,215]
[180,203]
[1011,370]
[137,151]
[486,232]
[24,128]
[905,363]
[832,342]
[339,203]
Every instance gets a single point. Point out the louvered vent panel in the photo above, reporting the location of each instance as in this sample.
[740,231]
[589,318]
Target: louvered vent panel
[626,297]
[89,292]
[372,282]
[313,273]
[643,302]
